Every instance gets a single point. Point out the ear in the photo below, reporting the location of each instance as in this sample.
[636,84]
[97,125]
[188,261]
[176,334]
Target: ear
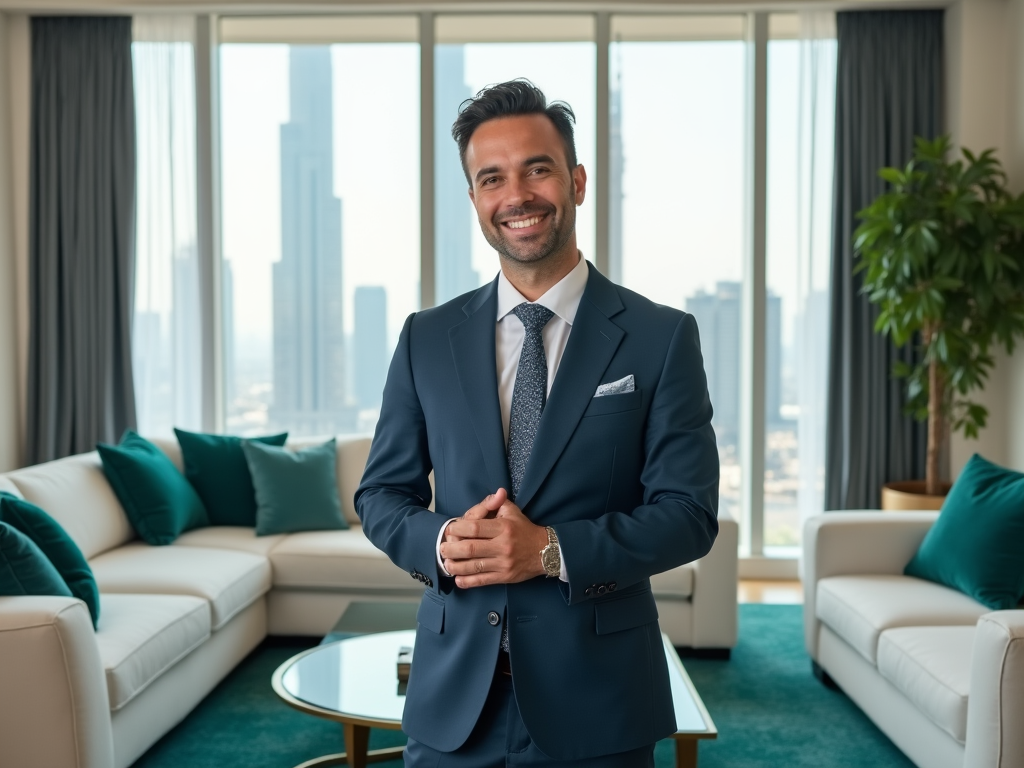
[579,178]
[472,197]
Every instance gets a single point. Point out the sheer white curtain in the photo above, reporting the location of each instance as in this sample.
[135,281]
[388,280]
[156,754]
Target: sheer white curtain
[814,193]
[166,343]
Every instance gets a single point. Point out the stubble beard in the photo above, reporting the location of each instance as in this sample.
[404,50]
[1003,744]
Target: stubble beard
[535,252]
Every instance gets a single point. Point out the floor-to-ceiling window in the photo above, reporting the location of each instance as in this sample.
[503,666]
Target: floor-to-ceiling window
[678,112]
[557,54]
[321,216]
[320,198]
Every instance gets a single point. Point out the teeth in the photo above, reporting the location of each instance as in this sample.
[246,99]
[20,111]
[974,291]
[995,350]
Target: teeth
[524,223]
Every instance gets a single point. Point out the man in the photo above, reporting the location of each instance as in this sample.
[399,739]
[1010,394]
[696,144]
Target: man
[567,423]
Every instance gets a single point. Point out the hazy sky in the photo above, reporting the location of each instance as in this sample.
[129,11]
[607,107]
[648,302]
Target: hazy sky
[684,130]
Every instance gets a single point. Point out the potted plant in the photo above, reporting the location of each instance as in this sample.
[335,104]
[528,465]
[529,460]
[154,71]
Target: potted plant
[942,255]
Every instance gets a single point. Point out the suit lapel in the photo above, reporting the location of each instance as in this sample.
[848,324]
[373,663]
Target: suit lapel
[591,346]
[472,343]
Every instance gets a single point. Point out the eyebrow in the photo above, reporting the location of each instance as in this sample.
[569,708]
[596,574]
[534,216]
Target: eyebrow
[526,163]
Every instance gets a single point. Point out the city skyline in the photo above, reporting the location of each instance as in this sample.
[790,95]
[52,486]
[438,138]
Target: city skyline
[309,366]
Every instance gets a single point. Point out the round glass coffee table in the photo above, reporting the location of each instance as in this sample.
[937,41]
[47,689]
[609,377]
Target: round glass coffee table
[353,682]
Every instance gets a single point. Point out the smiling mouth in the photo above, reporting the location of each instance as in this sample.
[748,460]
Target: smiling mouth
[525,223]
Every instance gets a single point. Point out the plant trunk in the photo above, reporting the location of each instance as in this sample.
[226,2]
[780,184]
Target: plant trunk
[935,430]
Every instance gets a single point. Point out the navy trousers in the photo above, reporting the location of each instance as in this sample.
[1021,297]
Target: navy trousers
[500,740]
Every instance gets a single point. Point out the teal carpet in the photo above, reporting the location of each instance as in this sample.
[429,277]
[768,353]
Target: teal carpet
[768,708]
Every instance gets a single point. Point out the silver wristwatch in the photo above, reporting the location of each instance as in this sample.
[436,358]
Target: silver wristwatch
[550,556]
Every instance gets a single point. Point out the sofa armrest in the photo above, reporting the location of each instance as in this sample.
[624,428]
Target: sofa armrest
[850,543]
[995,711]
[715,586]
[54,709]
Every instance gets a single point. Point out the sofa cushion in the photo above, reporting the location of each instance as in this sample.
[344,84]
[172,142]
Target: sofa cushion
[336,559]
[217,469]
[230,537]
[295,490]
[676,583]
[24,569]
[860,608]
[56,545]
[229,581]
[975,545]
[931,666]
[142,636]
[352,454]
[76,494]
[159,501]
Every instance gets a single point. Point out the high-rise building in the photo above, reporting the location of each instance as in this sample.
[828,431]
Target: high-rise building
[718,317]
[370,358]
[454,273]
[309,341]
[186,340]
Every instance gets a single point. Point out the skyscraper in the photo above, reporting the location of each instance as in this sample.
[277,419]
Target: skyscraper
[309,341]
[718,318]
[453,215]
[371,344]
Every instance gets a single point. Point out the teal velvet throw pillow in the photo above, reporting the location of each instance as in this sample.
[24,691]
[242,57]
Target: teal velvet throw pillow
[976,544]
[217,469]
[160,503]
[56,546]
[295,490]
[24,569]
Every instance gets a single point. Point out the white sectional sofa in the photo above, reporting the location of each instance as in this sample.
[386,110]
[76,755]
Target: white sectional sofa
[940,674]
[175,620]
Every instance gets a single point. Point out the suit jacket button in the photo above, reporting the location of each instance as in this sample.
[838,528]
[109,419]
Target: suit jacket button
[589,592]
[602,589]
[493,619]
[612,586]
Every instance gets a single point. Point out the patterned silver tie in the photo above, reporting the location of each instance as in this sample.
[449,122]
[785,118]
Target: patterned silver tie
[528,397]
[529,393]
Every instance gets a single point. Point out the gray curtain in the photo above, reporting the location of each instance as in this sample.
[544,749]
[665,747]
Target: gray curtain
[888,90]
[82,234]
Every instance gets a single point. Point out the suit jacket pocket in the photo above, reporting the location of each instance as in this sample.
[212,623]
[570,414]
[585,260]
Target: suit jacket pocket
[626,612]
[627,401]
[431,614]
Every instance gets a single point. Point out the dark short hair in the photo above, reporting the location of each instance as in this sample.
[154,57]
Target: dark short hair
[516,97]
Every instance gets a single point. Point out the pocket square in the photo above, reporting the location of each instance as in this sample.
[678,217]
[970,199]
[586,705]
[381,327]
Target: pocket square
[620,387]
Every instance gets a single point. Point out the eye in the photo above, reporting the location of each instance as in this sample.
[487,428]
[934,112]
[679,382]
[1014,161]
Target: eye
[488,180]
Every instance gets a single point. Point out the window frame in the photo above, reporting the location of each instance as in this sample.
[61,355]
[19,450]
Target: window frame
[760,26]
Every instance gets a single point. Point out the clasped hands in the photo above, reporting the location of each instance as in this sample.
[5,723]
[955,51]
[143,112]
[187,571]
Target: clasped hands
[493,543]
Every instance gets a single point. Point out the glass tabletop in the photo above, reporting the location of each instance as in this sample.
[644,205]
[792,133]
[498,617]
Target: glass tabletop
[357,677]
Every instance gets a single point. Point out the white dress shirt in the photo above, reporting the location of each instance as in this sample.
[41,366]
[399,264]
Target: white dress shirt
[563,299]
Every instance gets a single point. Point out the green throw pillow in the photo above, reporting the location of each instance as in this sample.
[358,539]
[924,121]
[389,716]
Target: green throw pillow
[55,544]
[295,490]
[975,545]
[217,469]
[24,569]
[159,501]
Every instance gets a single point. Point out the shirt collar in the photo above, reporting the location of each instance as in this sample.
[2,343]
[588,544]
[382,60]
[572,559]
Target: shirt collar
[563,298]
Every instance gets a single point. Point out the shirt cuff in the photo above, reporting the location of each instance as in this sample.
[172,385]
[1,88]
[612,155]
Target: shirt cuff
[563,575]
[437,547]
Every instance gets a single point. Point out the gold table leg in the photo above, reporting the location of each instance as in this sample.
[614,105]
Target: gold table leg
[686,753]
[357,739]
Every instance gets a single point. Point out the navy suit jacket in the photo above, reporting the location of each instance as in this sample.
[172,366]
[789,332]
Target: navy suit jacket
[629,482]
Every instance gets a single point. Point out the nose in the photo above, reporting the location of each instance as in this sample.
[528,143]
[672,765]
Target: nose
[517,192]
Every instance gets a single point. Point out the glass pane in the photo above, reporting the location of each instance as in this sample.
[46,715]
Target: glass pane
[801,82]
[166,340]
[678,200]
[320,199]
[564,71]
